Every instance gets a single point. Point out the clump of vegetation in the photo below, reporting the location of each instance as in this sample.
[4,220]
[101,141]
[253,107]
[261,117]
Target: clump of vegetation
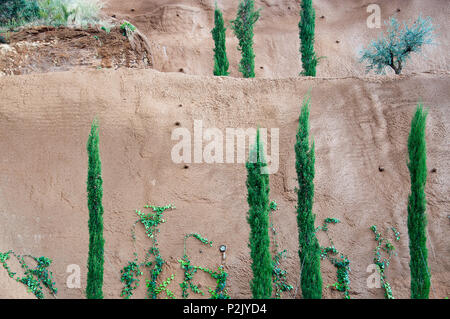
[273,205]
[132,271]
[326,222]
[163,287]
[85,12]
[199,237]
[151,222]
[392,50]
[221,63]
[18,11]
[243,29]
[129,278]
[95,195]
[309,249]
[258,219]
[34,278]
[187,283]
[221,282]
[342,263]
[307,27]
[279,275]
[77,13]
[383,263]
[417,218]
[54,12]
[343,280]
[190,270]
[220,275]
[127,29]
[396,233]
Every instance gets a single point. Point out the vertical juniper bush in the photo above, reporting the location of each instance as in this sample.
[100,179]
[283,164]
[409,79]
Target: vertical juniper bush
[309,249]
[243,29]
[258,219]
[95,194]
[221,63]
[306,27]
[417,219]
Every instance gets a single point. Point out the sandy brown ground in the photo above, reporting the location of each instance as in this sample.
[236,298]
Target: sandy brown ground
[358,124]
[180,32]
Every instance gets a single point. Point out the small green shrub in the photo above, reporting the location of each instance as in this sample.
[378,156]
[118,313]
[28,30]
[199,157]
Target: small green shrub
[392,50]
[127,28]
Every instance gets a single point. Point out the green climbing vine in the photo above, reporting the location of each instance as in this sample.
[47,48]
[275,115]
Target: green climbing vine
[326,222]
[154,273]
[34,278]
[163,287]
[221,282]
[382,263]
[3,258]
[220,292]
[343,280]
[199,237]
[279,275]
[129,278]
[132,271]
[396,233]
[187,283]
[342,263]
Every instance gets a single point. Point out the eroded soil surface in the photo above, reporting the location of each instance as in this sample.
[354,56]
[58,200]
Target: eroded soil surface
[48,49]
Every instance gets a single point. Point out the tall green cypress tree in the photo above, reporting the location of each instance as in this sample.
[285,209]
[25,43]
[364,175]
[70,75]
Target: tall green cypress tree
[95,194]
[221,63]
[307,26]
[258,219]
[309,249]
[243,29]
[417,219]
